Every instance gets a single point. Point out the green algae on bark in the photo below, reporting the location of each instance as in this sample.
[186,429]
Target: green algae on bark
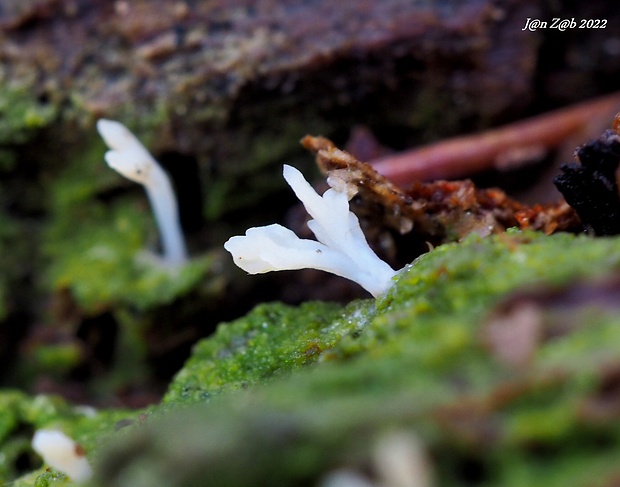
[21,116]
[433,304]
[97,265]
[107,262]
[21,415]
[268,342]
[285,395]
[94,241]
[417,361]
[420,361]
[202,64]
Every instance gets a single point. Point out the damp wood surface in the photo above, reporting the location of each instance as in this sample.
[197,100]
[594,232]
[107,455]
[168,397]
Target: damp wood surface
[514,355]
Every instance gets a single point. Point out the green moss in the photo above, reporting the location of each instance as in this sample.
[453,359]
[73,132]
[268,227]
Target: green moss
[269,341]
[58,357]
[414,358]
[21,115]
[100,256]
[21,415]
[107,263]
[298,391]
[447,289]
[97,249]
[428,315]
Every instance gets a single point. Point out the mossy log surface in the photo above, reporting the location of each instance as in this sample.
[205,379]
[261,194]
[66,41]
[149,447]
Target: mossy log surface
[221,92]
[487,352]
[231,86]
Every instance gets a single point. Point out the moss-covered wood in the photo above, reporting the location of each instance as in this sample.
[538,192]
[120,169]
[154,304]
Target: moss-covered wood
[490,353]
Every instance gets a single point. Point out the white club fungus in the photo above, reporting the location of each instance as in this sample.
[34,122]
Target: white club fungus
[131,159]
[62,453]
[341,249]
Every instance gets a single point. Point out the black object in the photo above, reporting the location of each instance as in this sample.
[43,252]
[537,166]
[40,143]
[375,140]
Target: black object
[591,187]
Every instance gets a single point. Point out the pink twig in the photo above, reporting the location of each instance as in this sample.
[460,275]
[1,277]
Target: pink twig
[469,154]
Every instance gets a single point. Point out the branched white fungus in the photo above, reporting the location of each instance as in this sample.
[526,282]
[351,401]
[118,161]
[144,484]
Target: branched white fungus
[131,159]
[341,248]
[62,453]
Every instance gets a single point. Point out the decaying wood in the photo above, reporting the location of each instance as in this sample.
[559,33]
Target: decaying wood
[198,66]
[438,211]
[590,185]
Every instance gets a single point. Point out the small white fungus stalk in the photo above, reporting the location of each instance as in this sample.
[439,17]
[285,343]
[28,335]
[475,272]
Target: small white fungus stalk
[62,453]
[341,248]
[131,159]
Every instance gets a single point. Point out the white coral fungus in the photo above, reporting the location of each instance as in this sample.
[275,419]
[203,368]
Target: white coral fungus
[131,159]
[341,248]
[62,453]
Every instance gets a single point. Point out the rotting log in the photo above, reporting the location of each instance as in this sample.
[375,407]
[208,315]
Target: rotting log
[235,67]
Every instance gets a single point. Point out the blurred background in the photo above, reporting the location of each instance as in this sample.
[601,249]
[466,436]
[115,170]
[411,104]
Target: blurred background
[221,92]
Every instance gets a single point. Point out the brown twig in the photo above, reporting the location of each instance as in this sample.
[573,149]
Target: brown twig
[437,212]
[497,148]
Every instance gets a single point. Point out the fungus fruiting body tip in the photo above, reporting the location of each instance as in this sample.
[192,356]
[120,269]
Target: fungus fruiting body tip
[131,159]
[341,248]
